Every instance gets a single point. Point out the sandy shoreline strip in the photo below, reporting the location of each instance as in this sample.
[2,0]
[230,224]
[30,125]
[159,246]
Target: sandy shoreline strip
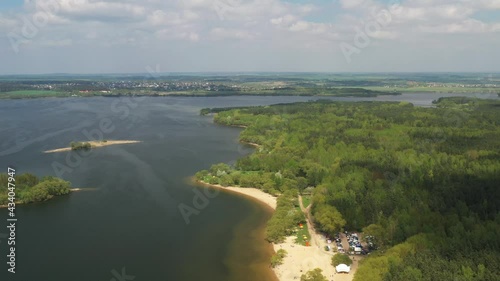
[95,144]
[299,259]
[255,193]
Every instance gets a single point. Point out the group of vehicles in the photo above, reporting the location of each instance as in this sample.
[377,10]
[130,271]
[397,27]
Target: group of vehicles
[354,242]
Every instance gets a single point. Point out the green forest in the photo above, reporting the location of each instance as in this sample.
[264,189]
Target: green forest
[424,182]
[29,188]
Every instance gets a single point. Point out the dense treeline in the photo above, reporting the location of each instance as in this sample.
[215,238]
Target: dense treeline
[287,215]
[31,189]
[285,219]
[422,181]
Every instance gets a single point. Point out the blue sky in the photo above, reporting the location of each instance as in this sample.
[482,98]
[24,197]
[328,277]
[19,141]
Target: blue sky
[9,4]
[101,36]
[488,16]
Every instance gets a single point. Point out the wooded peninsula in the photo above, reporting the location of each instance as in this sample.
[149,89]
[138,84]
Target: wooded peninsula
[29,188]
[422,183]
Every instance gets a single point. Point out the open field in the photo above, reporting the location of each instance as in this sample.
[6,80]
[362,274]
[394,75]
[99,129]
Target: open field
[31,94]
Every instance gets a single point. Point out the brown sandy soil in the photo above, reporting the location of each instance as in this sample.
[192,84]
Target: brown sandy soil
[95,144]
[299,259]
[254,193]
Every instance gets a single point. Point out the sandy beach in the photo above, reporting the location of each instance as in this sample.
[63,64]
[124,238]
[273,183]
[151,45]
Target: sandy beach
[299,259]
[95,144]
[254,193]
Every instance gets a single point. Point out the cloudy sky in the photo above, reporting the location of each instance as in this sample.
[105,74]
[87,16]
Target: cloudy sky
[127,36]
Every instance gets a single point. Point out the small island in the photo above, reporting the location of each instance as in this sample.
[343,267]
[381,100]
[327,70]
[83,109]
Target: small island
[30,189]
[90,144]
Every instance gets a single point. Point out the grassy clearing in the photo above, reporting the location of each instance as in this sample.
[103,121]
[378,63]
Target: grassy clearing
[306,201]
[301,232]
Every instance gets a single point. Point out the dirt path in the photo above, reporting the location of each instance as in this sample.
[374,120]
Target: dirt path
[315,237]
[318,240]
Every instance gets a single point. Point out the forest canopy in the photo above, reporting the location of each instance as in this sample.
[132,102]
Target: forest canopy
[29,188]
[422,181]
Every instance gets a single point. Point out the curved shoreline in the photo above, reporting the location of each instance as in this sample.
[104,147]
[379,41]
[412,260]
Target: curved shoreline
[299,259]
[95,144]
[268,203]
[249,192]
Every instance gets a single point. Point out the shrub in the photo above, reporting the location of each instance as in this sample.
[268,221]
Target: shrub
[226,180]
[201,175]
[313,275]
[341,259]
[277,259]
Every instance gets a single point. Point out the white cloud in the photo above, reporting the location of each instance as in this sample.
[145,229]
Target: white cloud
[162,18]
[484,4]
[56,43]
[170,34]
[228,33]
[466,26]
[264,25]
[284,20]
[300,26]
[434,12]
[353,4]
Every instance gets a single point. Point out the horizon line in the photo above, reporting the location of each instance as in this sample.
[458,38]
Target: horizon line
[229,73]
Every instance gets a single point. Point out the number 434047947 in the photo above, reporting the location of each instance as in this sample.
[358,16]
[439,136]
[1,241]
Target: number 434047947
[11,187]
